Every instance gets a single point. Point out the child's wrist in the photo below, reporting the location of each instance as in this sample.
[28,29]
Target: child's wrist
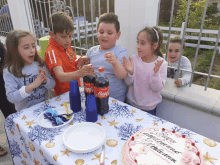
[116,63]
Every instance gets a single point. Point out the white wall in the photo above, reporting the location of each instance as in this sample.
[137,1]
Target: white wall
[133,17]
[20,15]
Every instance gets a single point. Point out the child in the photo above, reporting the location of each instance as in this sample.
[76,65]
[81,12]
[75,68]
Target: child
[109,55]
[147,71]
[6,107]
[59,56]
[173,60]
[25,74]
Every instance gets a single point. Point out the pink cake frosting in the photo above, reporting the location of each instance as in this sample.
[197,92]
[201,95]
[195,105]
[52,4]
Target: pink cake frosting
[160,146]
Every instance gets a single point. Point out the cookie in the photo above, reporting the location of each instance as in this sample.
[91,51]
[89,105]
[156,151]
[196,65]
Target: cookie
[112,142]
[209,142]
[24,155]
[114,162]
[99,124]
[31,146]
[114,101]
[41,152]
[57,99]
[18,127]
[55,157]
[79,161]
[50,145]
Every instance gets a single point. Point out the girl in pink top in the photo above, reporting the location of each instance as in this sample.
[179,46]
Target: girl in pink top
[147,71]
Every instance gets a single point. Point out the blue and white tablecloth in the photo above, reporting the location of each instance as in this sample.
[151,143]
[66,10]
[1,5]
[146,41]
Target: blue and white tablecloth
[31,144]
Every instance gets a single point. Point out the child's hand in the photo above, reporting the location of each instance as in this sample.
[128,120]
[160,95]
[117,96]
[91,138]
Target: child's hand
[87,70]
[110,57]
[39,80]
[128,65]
[157,65]
[45,75]
[82,61]
[178,82]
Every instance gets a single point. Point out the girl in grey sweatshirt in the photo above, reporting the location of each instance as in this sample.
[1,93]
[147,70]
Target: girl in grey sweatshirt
[26,77]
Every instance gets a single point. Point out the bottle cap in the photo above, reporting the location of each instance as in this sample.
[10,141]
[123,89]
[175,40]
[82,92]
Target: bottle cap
[101,69]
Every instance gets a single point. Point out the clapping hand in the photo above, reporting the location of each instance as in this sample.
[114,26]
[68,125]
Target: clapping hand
[41,78]
[157,65]
[45,75]
[110,57]
[128,65]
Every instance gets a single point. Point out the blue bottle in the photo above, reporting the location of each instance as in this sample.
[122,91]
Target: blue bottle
[74,96]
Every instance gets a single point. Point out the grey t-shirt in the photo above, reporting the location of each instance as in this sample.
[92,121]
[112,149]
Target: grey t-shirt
[15,87]
[117,87]
[184,64]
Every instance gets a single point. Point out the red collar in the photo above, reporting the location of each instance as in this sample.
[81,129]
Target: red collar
[54,43]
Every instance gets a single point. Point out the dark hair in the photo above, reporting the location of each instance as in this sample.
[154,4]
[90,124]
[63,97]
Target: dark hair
[152,36]
[61,22]
[109,18]
[13,60]
[2,54]
[177,39]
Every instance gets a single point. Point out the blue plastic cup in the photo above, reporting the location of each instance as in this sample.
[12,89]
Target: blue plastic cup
[74,96]
[91,109]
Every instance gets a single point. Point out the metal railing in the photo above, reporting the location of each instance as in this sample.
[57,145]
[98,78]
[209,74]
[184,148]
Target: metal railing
[41,10]
[197,48]
[5,18]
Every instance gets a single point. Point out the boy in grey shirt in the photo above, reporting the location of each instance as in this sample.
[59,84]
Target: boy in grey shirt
[109,56]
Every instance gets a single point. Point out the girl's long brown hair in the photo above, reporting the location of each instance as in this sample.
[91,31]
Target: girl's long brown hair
[13,60]
[153,38]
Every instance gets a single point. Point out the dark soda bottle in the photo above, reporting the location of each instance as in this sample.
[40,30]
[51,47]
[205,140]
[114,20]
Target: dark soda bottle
[88,82]
[101,91]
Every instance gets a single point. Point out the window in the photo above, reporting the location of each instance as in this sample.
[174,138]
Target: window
[215,4]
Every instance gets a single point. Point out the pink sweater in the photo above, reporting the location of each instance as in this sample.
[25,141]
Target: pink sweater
[144,85]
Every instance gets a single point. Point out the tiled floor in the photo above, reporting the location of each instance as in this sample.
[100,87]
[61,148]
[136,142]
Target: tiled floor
[5,160]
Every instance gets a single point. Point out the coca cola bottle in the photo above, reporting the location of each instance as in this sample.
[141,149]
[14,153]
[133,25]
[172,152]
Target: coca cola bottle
[101,91]
[88,82]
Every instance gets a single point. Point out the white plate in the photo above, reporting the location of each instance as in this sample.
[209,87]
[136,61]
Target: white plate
[46,123]
[84,137]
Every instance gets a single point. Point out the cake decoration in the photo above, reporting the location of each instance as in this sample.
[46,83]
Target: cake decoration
[161,146]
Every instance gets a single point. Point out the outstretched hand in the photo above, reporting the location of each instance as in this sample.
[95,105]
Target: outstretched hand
[128,65]
[158,63]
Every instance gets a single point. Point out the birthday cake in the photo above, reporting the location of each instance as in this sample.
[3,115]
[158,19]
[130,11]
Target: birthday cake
[159,146]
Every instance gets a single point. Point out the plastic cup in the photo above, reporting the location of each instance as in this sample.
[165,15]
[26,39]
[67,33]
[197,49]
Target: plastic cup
[91,109]
[74,96]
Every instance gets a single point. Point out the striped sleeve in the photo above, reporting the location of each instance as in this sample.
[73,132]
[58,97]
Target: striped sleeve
[52,58]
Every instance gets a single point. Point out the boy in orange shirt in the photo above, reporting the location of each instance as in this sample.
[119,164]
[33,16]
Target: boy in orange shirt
[60,58]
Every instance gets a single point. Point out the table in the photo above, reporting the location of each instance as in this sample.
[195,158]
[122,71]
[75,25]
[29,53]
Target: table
[31,144]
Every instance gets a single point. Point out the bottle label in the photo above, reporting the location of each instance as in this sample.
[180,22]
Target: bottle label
[101,92]
[89,87]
